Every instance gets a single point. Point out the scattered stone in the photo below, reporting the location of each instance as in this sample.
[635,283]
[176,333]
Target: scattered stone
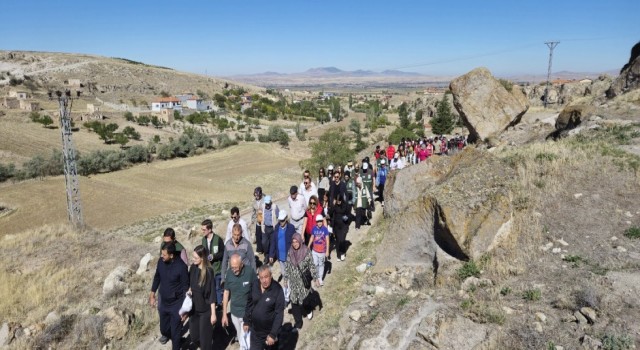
[51,318]
[562,242]
[546,247]
[577,195]
[373,303]
[355,315]
[4,334]
[361,268]
[114,283]
[157,240]
[541,317]
[507,310]
[405,283]
[380,290]
[144,264]
[558,347]
[413,293]
[538,327]
[589,313]
[27,332]
[621,249]
[127,291]
[117,322]
[614,238]
[556,250]
[590,343]
[569,318]
[628,214]
[537,214]
[580,318]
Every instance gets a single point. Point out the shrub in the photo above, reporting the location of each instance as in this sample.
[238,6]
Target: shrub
[632,232]
[399,133]
[248,137]
[468,269]
[137,154]
[131,133]
[616,342]
[532,294]
[225,141]
[331,148]
[164,152]
[277,134]
[55,332]
[7,171]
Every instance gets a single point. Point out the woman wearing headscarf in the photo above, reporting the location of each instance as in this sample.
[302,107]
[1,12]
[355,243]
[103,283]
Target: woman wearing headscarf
[298,261]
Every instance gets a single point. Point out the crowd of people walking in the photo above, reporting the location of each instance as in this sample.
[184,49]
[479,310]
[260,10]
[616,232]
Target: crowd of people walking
[228,279]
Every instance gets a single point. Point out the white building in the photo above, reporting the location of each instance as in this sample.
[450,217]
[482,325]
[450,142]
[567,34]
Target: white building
[197,104]
[166,102]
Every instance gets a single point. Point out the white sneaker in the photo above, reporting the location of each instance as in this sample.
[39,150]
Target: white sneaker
[342,258]
[310,315]
[321,283]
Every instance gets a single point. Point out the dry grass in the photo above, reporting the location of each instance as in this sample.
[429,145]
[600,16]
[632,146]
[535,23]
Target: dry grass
[141,192]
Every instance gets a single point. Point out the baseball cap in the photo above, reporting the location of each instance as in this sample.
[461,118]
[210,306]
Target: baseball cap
[282,215]
[293,189]
[319,217]
[382,161]
[365,166]
[267,199]
[330,167]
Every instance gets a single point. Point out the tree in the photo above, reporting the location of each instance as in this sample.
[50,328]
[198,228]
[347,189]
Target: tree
[157,123]
[350,101]
[354,126]
[419,115]
[403,112]
[121,139]
[143,120]
[128,116]
[131,133]
[105,132]
[46,121]
[156,138]
[164,94]
[443,122]
[331,148]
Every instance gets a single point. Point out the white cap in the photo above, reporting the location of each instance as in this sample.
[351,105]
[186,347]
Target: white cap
[382,161]
[319,217]
[282,215]
[395,155]
[330,167]
[365,166]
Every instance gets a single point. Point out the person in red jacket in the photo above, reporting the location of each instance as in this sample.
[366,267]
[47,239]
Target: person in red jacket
[390,151]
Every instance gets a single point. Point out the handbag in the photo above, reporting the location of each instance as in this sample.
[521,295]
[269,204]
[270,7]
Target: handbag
[187,304]
[306,278]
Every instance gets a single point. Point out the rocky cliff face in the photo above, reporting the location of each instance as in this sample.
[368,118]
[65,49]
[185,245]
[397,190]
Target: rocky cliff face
[629,78]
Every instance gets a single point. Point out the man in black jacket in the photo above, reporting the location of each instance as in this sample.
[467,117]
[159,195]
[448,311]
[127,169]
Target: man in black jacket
[172,277]
[265,310]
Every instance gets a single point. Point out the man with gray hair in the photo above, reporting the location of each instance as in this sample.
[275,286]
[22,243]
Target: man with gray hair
[237,287]
[265,310]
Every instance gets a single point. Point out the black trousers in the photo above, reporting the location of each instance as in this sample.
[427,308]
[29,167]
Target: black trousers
[266,239]
[201,330]
[258,341]
[381,193]
[170,323]
[361,216]
[341,238]
[259,248]
[299,311]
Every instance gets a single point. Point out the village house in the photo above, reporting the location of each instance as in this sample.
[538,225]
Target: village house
[91,108]
[198,104]
[185,97]
[10,103]
[29,105]
[165,115]
[20,95]
[74,83]
[166,102]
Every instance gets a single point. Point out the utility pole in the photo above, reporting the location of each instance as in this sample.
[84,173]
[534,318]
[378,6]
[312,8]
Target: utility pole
[552,45]
[74,205]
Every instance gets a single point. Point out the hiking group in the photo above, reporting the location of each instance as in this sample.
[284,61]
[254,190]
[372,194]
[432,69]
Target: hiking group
[229,280]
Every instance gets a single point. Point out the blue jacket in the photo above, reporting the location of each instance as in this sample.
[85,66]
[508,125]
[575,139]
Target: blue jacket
[288,234]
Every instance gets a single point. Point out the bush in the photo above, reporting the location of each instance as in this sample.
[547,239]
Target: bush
[165,152]
[225,141]
[263,138]
[399,133]
[632,232]
[616,342]
[131,133]
[7,172]
[532,294]
[468,269]
[248,137]
[277,134]
[331,148]
[137,154]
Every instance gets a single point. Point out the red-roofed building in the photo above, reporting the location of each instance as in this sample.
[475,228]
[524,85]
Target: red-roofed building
[166,102]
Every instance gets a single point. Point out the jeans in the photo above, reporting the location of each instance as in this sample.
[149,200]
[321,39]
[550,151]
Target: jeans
[318,260]
[266,240]
[243,338]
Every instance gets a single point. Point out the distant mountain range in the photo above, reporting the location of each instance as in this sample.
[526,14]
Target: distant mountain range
[337,76]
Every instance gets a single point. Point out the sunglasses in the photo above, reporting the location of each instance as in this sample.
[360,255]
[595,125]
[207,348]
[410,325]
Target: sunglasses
[312,203]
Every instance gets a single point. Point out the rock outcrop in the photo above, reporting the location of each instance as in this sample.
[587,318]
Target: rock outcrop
[117,322]
[629,78]
[572,116]
[485,106]
[114,283]
[448,203]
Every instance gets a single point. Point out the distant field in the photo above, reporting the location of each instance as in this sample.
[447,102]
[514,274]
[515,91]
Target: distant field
[123,197]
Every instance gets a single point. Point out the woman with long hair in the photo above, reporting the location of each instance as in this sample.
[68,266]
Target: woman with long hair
[323,183]
[298,262]
[203,293]
[313,209]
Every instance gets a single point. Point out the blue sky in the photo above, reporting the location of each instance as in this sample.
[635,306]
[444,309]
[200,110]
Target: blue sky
[240,37]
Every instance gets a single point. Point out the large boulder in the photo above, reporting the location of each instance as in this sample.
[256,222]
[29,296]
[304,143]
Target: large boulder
[572,116]
[115,281]
[460,205]
[117,322]
[629,78]
[485,106]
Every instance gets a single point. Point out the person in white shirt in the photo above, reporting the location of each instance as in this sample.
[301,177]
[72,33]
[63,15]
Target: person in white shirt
[297,208]
[236,219]
[308,189]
